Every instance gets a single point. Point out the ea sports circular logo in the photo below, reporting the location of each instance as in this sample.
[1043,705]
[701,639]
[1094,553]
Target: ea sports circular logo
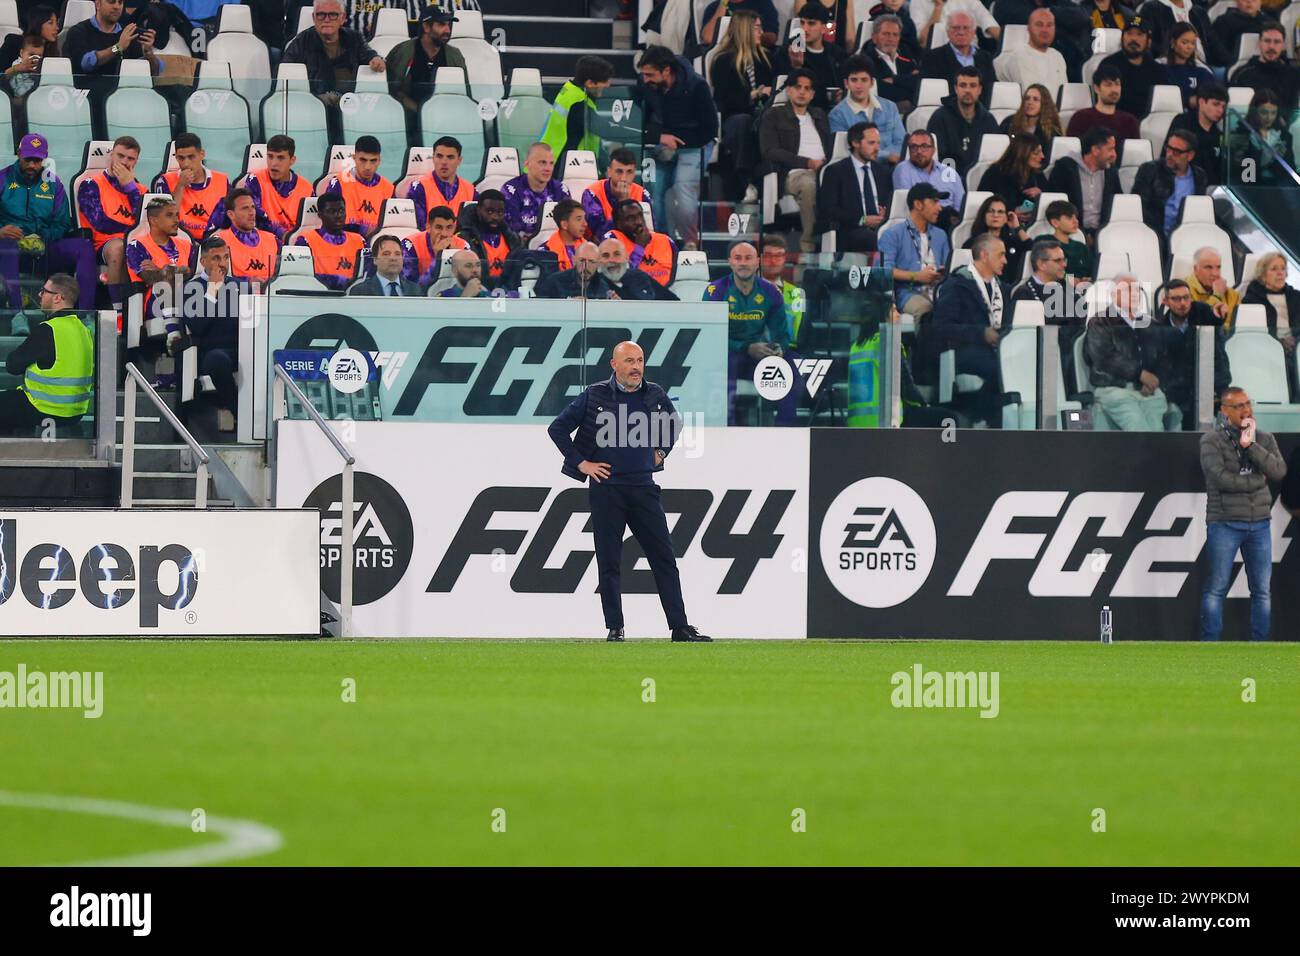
[382,534]
[349,370]
[878,542]
[773,377]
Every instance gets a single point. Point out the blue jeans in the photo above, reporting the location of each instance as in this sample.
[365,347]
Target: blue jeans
[675,194]
[1255,540]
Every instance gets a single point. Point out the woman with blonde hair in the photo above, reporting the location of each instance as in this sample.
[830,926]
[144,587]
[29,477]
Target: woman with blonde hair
[741,75]
[1281,301]
[1036,118]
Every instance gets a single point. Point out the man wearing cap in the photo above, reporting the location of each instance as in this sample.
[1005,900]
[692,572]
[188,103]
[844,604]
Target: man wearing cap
[35,219]
[809,50]
[916,250]
[413,64]
[1139,72]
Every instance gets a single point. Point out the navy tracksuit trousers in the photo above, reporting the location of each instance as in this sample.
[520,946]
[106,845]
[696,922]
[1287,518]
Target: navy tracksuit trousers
[638,508]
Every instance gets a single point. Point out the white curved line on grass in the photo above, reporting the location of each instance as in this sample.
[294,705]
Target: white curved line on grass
[242,838]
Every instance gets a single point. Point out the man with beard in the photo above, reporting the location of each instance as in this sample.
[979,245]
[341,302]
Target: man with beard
[626,282]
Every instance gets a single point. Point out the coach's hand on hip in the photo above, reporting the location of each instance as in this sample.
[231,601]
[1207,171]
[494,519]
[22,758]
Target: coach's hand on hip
[597,471]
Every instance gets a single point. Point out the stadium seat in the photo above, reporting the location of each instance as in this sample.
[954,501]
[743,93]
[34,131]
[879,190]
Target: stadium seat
[1239,97]
[932,92]
[976,173]
[692,276]
[1288,18]
[481,58]
[1014,36]
[1154,129]
[1127,233]
[960,233]
[134,109]
[502,166]
[247,55]
[308,218]
[970,206]
[234,18]
[724,24]
[75,12]
[419,162]
[448,113]
[1041,227]
[1075,96]
[898,204]
[1064,146]
[254,159]
[292,110]
[938,35]
[919,117]
[521,118]
[1018,365]
[1258,363]
[339,159]
[61,113]
[1248,270]
[95,158]
[1005,99]
[392,22]
[304,18]
[6,122]
[992,146]
[295,261]
[1135,152]
[444,278]
[219,117]
[526,81]
[1249,47]
[579,171]
[9,15]
[398,214]
[372,110]
[959,258]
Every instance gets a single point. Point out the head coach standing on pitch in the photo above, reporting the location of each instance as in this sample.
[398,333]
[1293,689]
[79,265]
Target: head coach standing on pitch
[626,427]
[1238,462]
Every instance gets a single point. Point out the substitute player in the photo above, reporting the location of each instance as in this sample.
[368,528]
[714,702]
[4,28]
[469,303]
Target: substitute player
[626,427]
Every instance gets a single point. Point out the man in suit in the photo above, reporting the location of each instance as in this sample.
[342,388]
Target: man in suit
[960,50]
[212,317]
[387,279]
[856,192]
[898,77]
[971,313]
[1178,316]
[625,428]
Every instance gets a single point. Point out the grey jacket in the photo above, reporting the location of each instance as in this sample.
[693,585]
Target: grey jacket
[1229,494]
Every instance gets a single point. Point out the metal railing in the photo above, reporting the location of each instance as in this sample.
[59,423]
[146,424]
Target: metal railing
[279,410]
[134,378]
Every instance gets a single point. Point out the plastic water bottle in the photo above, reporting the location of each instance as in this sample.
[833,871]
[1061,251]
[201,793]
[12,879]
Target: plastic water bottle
[1107,633]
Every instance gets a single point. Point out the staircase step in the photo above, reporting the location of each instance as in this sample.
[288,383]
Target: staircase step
[529,31]
[160,457]
[143,404]
[157,485]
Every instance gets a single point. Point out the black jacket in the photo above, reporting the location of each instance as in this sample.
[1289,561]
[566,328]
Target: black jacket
[685,110]
[1065,179]
[214,322]
[1209,145]
[1256,294]
[583,416]
[1177,371]
[1155,184]
[840,197]
[307,48]
[467,228]
[1118,354]
[640,286]
[942,64]
[1001,183]
[1229,27]
[1137,81]
[731,90]
[566,284]
[84,37]
[960,315]
[827,66]
[1161,19]
[1062,304]
[958,139]
[1280,76]
[370,285]
[901,87]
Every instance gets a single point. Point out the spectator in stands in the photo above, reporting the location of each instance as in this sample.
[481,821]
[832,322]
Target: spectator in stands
[653,253]
[855,193]
[109,206]
[1108,90]
[276,189]
[97,48]
[583,281]
[1281,301]
[961,121]
[1036,62]
[1048,283]
[21,56]
[467,271]
[1246,17]
[413,65]
[198,191]
[570,231]
[1209,286]
[600,198]
[529,192]
[331,52]
[1205,121]
[1089,180]
[795,140]
[572,123]
[915,253]
[926,13]
[1261,141]
[811,51]
[387,254]
[755,324]
[254,253]
[443,186]
[912,42]
[763,9]
[1163,183]
[998,218]
[970,315]
[1107,14]
[742,75]
[212,317]
[363,15]
[422,251]
[1124,351]
[483,227]
[1063,217]
[841,24]
[33,202]
[959,53]
[1139,73]
[1017,177]
[773,258]
[1037,117]
[921,167]
[1178,318]
[681,122]
[861,105]
[1182,64]
[1163,15]
[898,77]
[334,248]
[626,282]
[363,190]
[56,361]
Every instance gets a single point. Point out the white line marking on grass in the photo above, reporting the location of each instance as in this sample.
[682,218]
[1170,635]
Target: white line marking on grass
[242,838]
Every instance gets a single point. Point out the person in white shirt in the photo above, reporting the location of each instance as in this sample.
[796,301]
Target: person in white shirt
[1036,62]
[929,12]
[795,139]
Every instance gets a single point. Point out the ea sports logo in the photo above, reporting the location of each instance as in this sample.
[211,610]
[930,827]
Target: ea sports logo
[773,378]
[878,542]
[349,370]
[382,536]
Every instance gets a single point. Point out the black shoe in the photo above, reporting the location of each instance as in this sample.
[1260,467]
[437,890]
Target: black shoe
[615,635]
[690,635]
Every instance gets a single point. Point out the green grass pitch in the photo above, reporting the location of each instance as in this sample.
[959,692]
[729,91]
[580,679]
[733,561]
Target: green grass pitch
[740,734]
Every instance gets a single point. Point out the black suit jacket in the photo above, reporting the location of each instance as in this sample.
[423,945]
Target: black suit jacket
[942,64]
[840,197]
[370,286]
